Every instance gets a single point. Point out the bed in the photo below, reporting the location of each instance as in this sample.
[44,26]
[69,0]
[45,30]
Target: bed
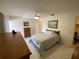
[45,40]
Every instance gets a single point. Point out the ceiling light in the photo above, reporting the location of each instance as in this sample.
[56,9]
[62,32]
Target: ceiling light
[36,17]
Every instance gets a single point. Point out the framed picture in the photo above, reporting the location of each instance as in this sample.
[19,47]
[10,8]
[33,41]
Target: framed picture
[53,24]
[26,23]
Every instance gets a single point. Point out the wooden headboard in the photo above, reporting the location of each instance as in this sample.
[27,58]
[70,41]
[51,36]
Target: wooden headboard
[57,32]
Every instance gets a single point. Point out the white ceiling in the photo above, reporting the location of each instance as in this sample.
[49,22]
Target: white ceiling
[27,8]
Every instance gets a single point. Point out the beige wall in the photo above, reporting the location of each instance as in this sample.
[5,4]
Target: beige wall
[17,25]
[4,24]
[38,26]
[1,23]
[66,25]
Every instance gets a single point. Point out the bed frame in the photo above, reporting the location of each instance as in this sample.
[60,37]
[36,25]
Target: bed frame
[41,49]
[57,32]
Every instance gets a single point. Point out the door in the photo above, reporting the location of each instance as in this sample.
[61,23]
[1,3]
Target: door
[77,25]
[27,32]
[76,34]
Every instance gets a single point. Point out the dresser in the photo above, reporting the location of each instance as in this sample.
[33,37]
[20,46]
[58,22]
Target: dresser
[13,46]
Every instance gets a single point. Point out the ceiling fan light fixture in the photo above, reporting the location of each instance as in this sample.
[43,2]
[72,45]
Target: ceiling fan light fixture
[36,17]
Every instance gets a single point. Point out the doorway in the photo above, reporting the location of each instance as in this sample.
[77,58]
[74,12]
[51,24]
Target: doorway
[76,34]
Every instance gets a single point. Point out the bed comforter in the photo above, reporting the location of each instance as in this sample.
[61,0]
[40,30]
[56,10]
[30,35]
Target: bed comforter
[44,40]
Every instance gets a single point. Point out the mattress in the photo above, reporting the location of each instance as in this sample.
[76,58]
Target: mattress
[45,40]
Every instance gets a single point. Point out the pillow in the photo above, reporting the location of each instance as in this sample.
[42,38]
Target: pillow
[49,32]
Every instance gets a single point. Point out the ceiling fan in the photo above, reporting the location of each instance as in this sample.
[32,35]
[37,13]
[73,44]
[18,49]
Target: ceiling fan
[37,16]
